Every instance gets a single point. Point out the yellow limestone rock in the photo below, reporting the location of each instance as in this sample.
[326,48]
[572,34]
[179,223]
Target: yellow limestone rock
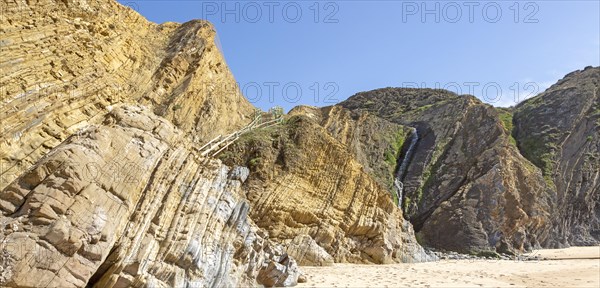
[308,190]
[65,64]
[101,114]
[129,203]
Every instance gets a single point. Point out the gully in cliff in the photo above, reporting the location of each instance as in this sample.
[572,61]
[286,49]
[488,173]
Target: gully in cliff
[404,161]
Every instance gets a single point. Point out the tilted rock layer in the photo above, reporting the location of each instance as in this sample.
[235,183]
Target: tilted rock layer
[65,63]
[467,187]
[304,182]
[559,132]
[102,114]
[123,205]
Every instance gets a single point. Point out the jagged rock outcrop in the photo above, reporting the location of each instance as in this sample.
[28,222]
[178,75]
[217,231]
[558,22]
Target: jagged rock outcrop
[100,182]
[467,187]
[375,142]
[65,64]
[558,131]
[308,252]
[305,182]
[129,203]
[281,273]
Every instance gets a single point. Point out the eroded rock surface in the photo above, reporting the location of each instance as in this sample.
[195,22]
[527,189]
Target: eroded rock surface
[558,131]
[471,186]
[467,187]
[101,117]
[373,141]
[128,203]
[305,182]
[65,64]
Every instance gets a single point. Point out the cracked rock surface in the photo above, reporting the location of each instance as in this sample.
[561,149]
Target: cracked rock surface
[122,205]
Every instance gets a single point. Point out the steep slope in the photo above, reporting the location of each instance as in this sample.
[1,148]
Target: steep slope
[306,188]
[374,142]
[558,131]
[466,187]
[128,203]
[66,63]
[100,183]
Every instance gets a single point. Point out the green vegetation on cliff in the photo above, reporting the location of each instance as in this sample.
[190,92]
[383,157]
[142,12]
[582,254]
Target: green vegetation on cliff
[506,116]
[392,154]
[557,131]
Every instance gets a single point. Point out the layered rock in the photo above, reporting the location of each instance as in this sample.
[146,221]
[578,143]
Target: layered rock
[467,188]
[66,63]
[102,183]
[558,131]
[96,191]
[374,142]
[128,203]
[305,182]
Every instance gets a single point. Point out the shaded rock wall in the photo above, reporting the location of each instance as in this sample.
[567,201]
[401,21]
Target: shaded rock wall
[467,187]
[558,131]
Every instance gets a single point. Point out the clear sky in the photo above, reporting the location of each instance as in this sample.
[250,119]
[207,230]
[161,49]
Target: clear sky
[320,53]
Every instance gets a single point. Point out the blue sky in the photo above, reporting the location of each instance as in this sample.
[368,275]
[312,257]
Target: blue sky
[320,53]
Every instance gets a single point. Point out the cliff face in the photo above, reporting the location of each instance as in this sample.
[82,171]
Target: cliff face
[374,142]
[471,186]
[128,203]
[558,131]
[466,188]
[66,63]
[307,189]
[102,183]
[102,113]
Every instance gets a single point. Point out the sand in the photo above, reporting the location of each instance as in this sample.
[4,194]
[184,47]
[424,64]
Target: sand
[571,267]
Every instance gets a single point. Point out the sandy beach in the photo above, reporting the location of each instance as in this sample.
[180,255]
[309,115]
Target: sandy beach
[571,267]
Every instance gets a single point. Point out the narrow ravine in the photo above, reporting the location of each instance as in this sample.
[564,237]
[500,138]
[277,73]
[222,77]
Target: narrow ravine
[403,167]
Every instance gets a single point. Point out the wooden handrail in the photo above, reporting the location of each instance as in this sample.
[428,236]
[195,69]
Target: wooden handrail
[222,142]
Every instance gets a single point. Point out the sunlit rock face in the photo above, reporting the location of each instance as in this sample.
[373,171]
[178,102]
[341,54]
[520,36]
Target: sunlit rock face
[309,191]
[67,63]
[129,203]
[101,116]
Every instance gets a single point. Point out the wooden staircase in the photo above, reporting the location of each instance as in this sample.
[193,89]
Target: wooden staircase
[217,145]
